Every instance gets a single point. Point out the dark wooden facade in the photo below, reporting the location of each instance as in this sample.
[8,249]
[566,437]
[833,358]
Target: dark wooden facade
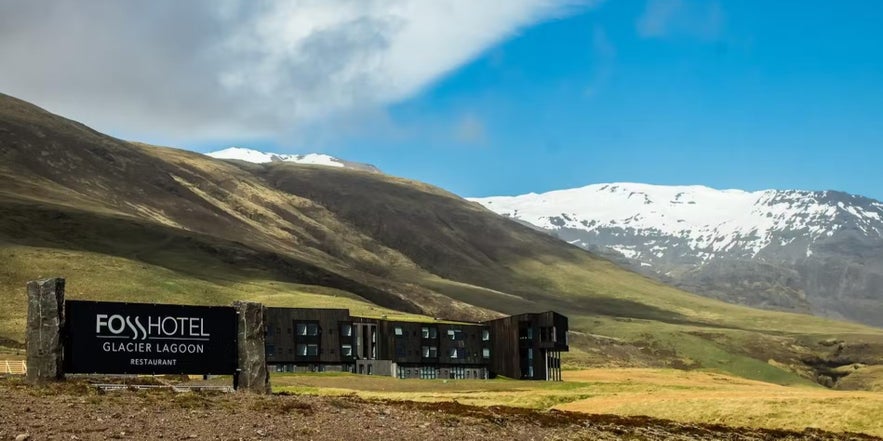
[524,346]
[308,336]
[529,346]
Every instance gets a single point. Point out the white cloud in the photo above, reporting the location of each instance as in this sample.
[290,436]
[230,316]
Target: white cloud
[210,69]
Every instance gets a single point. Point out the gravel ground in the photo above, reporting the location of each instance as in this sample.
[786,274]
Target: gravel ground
[77,411]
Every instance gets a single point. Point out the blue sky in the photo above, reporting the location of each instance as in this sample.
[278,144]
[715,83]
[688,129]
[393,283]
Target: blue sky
[479,97]
[730,94]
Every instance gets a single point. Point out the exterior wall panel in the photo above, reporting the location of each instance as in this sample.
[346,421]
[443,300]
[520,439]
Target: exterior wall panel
[525,346]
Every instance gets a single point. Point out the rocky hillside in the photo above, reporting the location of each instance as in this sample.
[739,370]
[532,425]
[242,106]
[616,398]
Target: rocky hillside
[819,252]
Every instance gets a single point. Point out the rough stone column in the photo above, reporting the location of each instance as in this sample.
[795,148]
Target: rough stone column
[253,375]
[43,335]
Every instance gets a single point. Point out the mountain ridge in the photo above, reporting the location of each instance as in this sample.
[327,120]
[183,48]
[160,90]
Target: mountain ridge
[773,239]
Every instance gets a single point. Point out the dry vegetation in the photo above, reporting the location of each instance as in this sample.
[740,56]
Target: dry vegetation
[75,410]
[687,397]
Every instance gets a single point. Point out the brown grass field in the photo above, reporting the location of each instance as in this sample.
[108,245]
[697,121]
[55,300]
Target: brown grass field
[683,396]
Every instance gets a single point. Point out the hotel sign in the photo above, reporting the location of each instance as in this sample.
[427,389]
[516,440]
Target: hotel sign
[140,338]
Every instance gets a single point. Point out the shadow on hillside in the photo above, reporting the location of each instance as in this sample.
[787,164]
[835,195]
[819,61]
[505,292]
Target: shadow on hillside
[217,261]
[196,255]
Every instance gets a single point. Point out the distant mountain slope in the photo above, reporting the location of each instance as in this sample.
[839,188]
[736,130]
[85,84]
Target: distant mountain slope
[797,250]
[258,157]
[131,221]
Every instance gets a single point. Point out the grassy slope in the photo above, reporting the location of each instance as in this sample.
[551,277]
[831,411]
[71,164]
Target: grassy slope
[692,397]
[101,277]
[165,224]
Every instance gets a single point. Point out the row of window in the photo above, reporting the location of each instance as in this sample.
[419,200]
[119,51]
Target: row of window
[431,332]
[302,329]
[453,353]
[425,372]
[311,329]
[429,372]
[547,334]
[346,350]
[311,350]
[346,330]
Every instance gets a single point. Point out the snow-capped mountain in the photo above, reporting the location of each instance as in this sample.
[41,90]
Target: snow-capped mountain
[819,251]
[258,157]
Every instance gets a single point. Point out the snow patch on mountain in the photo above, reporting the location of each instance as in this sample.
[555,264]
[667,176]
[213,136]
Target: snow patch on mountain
[710,222]
[258,157]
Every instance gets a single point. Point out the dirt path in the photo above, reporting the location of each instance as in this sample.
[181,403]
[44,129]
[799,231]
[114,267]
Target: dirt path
[76,411]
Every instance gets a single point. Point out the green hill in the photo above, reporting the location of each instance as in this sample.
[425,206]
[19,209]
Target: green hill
[122,220]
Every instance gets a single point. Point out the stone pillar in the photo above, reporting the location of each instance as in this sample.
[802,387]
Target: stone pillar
[43,336]
[252,375]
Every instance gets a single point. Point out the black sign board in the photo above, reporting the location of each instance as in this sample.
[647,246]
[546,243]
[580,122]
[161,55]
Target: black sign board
[140,338]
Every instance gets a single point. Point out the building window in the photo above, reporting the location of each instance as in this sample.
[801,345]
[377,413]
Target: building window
[346,350]
[453,353]
[269,331]
[398,331]
[455,334]
[309,329]
[271,350]
[548,334]
[486,353]
[525,333]
[429,332]
[485,335]
[307,350]
[430,351]
[346,330]
[427,372]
